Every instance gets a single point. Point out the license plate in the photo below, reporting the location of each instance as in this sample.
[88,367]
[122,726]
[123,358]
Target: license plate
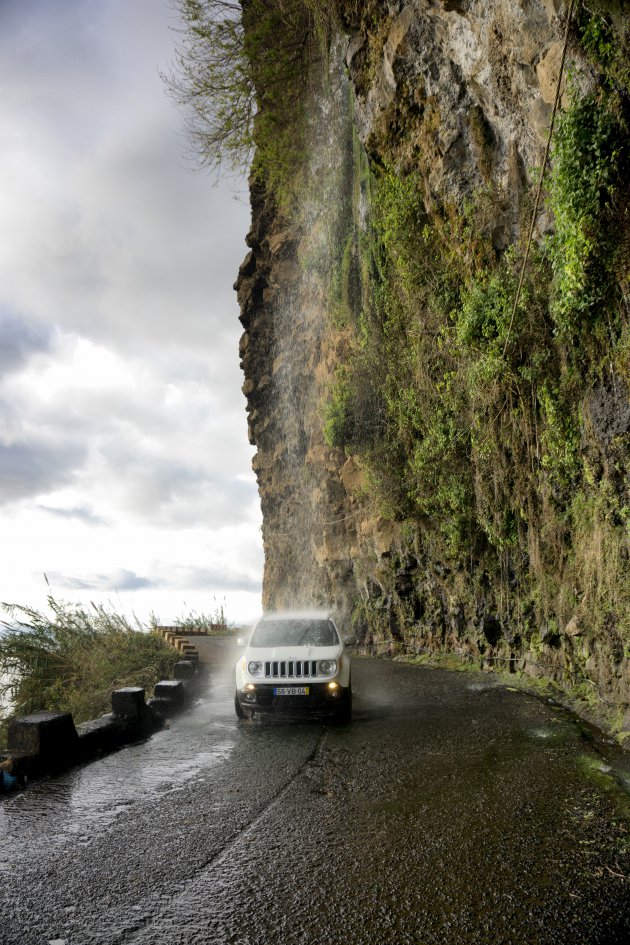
[291,691]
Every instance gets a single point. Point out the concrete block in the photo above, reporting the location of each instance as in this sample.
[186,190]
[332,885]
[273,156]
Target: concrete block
[162,708]
[185,669]
[51,736]
[99,736]
[171,689]
[128,702]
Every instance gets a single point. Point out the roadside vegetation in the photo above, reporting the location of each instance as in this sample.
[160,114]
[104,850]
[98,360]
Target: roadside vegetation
[213,623]
[70,659]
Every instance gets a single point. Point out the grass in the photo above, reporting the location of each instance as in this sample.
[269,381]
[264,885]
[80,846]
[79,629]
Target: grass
[451,661]
[594,770]
[72,658]
[213,624]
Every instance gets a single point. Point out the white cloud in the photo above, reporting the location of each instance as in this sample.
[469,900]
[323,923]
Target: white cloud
[122,426]
[20,340]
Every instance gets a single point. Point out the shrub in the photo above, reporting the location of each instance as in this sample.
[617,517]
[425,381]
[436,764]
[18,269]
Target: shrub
[240,75]
[338,419]
[72,659]
[214,623]
[588,155]
[605,36]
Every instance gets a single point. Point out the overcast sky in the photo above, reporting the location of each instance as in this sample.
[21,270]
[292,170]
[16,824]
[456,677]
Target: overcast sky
[125,471]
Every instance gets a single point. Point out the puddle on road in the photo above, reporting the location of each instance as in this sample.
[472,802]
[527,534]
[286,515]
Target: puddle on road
[483,686]
[543,733]
[85,799]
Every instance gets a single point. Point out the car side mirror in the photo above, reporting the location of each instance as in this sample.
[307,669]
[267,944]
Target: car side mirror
[349,641]
[241,641]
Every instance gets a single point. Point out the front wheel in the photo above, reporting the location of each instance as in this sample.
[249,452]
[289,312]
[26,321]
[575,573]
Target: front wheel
[242,713]
[238,708]
[343,712]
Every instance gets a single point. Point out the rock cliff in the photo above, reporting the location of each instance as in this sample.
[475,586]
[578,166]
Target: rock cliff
[459,94]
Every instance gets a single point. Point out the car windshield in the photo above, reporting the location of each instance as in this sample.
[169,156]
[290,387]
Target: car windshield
[300,631]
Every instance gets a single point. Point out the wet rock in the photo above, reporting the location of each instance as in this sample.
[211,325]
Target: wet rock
[574,628]
[393,619]
[608,407]
[548,71]
[456,6]
[550,636]
[552,8]
[492,629]
[355,45]
[419,607]
[403,582]
[458,619]
[373,589]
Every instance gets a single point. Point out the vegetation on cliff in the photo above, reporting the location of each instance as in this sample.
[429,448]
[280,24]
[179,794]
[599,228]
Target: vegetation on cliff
[495,443]
[240,75]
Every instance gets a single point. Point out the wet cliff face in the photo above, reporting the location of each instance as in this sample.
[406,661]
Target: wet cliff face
[478,81]
[289,353]
[460,91]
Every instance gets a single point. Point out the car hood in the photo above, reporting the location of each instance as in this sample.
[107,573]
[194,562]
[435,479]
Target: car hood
[266,653]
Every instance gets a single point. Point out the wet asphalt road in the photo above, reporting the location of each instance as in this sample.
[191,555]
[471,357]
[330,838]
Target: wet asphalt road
[451,810]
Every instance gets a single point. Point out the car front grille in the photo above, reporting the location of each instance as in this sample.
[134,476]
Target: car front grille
[291,669]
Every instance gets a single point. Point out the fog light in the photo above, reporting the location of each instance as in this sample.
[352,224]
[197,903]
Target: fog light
[333,685]
[250,687]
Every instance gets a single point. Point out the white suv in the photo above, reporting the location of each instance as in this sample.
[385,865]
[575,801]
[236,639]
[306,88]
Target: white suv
[294,662]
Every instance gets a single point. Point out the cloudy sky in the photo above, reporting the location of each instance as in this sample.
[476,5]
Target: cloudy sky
[125,472]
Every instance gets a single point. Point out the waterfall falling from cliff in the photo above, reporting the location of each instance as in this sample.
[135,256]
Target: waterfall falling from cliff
[301,335]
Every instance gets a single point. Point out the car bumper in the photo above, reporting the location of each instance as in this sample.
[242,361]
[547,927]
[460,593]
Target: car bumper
[264,697]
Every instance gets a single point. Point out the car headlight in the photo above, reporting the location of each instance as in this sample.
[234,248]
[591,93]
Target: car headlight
[255,668]
[327,667]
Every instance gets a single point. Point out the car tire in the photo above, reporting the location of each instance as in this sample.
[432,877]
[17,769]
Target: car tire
[343,712]
[238,708]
